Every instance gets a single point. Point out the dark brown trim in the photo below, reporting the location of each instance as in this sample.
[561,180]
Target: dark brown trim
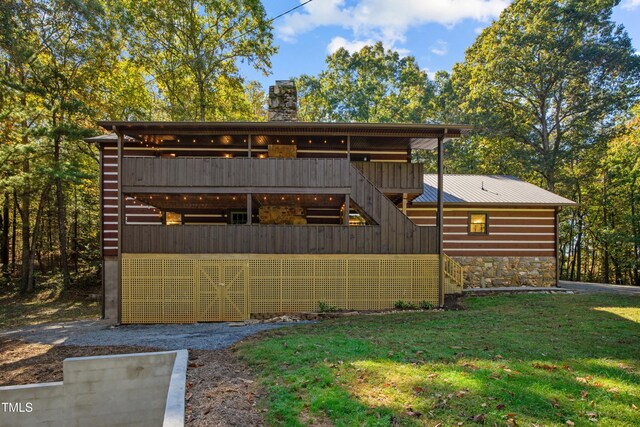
[120,220]
[134,189]
[288,128]
[440,221]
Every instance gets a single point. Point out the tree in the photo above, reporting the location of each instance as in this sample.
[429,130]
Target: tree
[551,76]
[191,48]
[372,85]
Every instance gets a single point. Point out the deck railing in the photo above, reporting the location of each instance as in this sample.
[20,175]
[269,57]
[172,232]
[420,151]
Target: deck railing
[394,177]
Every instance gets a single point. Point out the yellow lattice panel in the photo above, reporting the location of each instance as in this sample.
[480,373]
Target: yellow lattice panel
[163,288]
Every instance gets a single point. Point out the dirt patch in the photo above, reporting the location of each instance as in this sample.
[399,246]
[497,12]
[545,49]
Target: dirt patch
[26,363]
[221,391]
[220,388]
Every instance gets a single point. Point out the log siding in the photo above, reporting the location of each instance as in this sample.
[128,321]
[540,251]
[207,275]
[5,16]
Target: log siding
[513,230]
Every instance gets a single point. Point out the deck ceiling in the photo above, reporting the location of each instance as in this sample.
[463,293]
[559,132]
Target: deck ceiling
[194,203]
[363,135]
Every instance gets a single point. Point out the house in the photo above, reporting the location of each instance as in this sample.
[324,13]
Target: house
[503,231]
[217,221]
[223,221]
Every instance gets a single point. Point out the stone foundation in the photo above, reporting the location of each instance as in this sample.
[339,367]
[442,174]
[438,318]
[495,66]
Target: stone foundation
[491,272]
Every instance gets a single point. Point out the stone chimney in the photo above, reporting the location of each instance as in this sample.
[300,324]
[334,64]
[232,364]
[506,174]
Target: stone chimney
[283,102]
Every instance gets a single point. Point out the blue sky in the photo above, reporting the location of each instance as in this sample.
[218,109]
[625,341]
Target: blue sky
[436,32]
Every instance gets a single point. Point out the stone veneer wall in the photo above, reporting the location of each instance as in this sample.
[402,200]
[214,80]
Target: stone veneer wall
[491,272]
[283,102]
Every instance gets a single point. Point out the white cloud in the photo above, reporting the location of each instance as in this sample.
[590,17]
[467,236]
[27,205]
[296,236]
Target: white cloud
[631,4]
[478,30]
[440,48]
[430,74]
[356,45]
[351,46]
[386,20]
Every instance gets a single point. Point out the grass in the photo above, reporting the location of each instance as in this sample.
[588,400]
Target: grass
[49,303]
[521,360]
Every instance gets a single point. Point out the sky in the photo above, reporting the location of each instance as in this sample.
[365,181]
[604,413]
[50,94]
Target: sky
[435,32]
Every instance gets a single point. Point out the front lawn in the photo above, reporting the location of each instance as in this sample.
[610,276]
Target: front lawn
[520,360]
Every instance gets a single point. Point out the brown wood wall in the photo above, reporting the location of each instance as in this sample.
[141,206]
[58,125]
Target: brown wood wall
[513,231]
[276,239]
[396,177]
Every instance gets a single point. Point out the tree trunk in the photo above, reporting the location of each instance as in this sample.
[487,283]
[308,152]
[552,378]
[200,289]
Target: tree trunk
[636,237]
[202,103]
[579,249]
[14,223]
[34,239]
[62,216]
[605,243]
[4,241]
[25,220]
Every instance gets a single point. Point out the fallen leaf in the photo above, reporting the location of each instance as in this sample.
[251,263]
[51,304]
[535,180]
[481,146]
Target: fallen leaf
[544,366]
[570,423]
[479,418]
[461,393]
[554,403]
[584,394]
[500,406]
[412,413]
[432,375]
[634,407]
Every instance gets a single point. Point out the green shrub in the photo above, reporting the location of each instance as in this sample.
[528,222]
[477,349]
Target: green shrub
[325,307]
[404,305]
[425,305]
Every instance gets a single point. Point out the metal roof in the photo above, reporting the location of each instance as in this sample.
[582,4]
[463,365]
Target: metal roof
[488,190]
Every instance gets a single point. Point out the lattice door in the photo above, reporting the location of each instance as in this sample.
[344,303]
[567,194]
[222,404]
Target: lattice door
[234,289]
[222,291]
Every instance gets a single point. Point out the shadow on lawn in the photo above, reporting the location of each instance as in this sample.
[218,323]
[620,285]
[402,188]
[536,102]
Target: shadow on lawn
[536,359]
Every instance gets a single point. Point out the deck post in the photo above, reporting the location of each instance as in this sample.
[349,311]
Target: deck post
[440,221]
[121,219]
[249,207]
[346,209]
[249,146]
[349,147]
[404,203]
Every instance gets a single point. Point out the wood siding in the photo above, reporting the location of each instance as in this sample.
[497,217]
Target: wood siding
[512,231]
[243,172]
[394,177]
[270,239]
[392,233]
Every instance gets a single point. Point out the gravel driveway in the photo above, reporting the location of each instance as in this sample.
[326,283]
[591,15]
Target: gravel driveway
[198,336]
[600,288]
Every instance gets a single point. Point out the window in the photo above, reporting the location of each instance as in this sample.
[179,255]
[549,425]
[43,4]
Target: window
[478,223]
[238,217]
[172,218]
